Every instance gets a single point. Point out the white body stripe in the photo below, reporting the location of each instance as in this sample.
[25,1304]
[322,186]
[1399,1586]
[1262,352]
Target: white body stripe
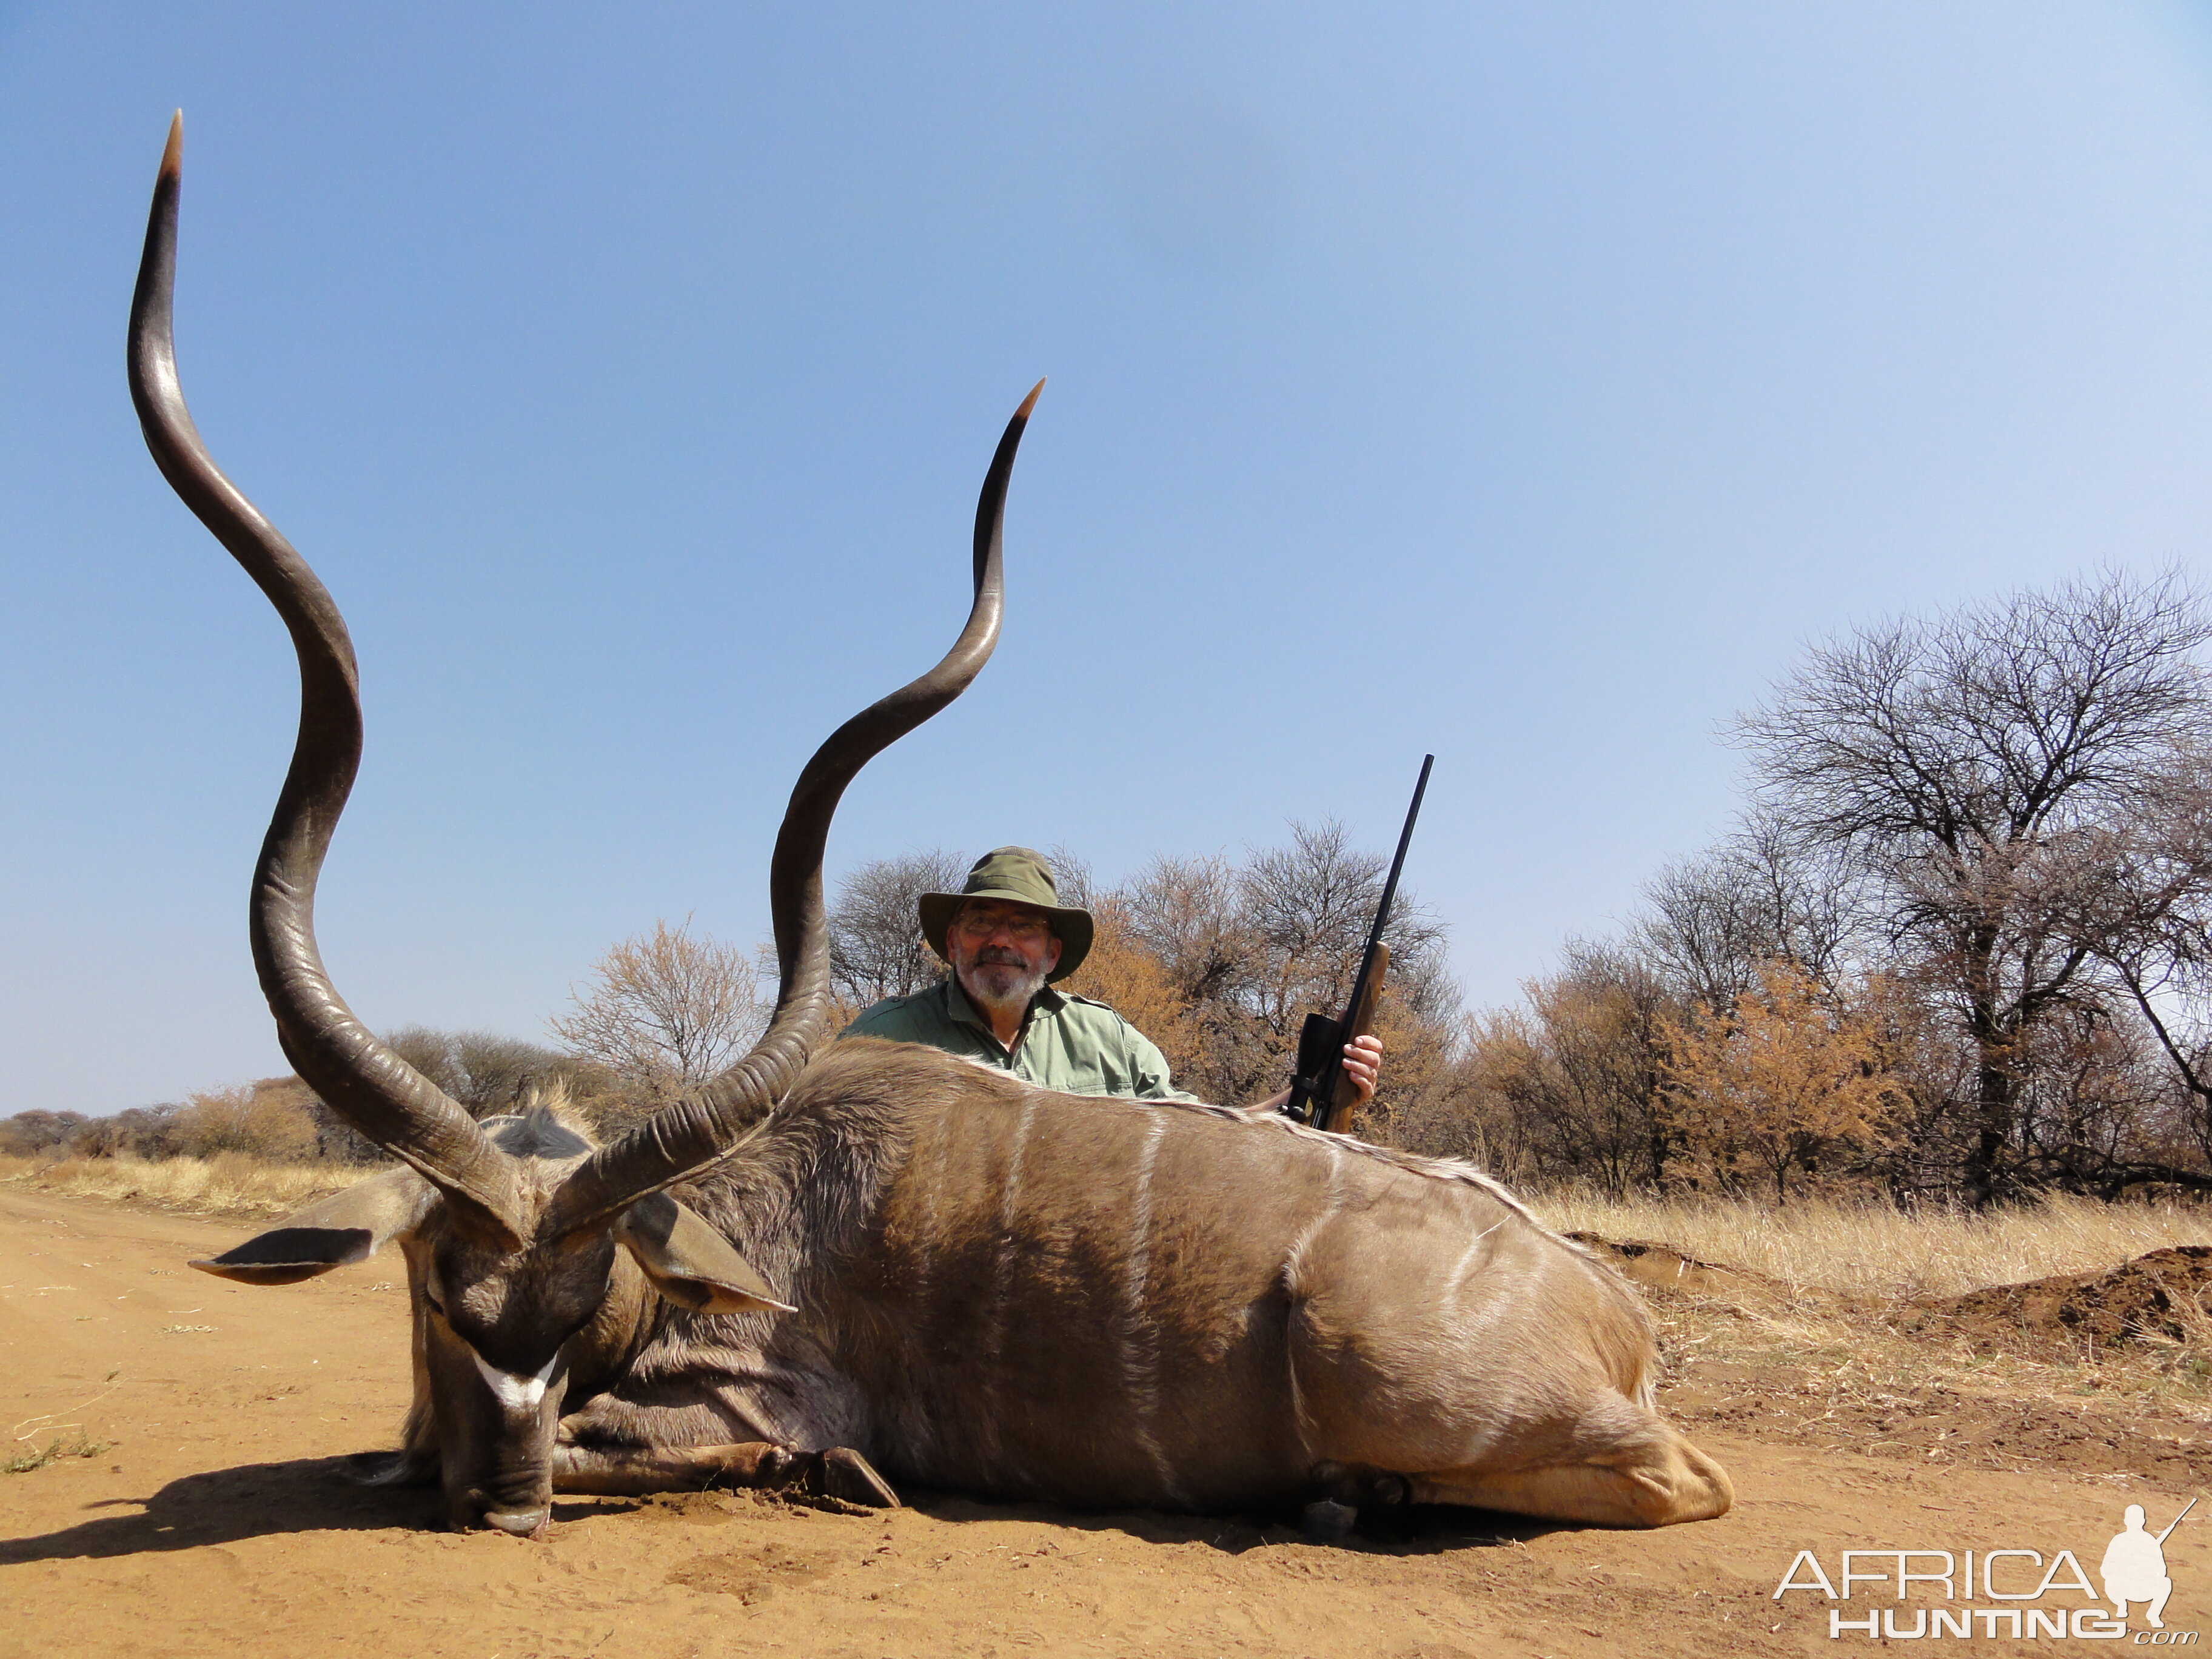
[1002,1285]
[1002,1265]
[1139,1355]
[1293,1274]
[1458,1282]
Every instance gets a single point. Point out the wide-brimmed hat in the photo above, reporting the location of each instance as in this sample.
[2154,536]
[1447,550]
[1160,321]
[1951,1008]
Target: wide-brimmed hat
[1021,876]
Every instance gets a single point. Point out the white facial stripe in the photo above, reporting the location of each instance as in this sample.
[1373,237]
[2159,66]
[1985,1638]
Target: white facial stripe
[516,1392]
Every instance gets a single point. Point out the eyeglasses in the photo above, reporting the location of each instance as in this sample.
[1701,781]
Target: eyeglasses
[982,925]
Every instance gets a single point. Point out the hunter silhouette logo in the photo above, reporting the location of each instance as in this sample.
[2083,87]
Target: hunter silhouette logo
[2134,1567]
[2015,1582]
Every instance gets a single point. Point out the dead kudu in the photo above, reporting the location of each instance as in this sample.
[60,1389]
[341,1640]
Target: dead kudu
[834,1260]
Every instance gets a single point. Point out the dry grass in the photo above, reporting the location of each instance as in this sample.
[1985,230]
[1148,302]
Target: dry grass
[1835,1370]
[1872,1249]
[228,1183]
[29,1463]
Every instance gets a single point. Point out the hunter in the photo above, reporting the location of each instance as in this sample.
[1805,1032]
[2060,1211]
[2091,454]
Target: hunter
[1007,938]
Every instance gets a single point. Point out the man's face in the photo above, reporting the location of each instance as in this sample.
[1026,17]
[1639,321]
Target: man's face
[1001,951]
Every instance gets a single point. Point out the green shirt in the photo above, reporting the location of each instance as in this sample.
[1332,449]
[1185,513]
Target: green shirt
[1067,1044]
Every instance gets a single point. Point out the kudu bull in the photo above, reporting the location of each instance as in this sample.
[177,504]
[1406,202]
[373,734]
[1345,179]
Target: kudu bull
[884,1256]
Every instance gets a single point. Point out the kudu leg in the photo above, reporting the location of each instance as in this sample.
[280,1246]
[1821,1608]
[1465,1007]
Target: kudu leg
[839,1472]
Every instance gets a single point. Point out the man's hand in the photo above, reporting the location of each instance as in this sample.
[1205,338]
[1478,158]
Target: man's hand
[1363,1064]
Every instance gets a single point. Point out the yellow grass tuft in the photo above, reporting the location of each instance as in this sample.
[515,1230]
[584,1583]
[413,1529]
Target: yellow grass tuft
[1872,1249]
[229,1183]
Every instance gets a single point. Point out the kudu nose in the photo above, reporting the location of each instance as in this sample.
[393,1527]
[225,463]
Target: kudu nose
[522,1523]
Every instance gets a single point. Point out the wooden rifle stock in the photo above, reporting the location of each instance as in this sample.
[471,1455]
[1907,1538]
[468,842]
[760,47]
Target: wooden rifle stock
[1336,1113]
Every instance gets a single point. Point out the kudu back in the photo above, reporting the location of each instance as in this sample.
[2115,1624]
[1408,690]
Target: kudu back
[835,1263]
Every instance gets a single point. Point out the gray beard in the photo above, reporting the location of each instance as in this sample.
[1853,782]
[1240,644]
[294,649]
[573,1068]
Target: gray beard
[1016,999]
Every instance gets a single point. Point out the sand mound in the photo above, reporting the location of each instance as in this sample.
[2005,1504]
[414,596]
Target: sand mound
[2163,1298]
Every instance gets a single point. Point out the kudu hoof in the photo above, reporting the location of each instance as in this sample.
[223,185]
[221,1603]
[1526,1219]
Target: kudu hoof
[1327,1521]
[1362,1485]
[843,1474]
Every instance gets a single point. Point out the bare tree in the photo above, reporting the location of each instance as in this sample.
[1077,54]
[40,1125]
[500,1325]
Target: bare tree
[2152,919]
[1601,1018]
[32,1131]
[1188,913]
[1567,1088]
[1252,949]
[1714,923]
[1189,916]
[875,947]
[1308,907]
[486,1071]
[1974,770]
[1072,878]
[1217,961]
[267,1120]
[137,1132]
[664,1012]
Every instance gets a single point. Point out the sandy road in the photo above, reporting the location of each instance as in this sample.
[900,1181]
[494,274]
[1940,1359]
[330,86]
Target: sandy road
[217,1521]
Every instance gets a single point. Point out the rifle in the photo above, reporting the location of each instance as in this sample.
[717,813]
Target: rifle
[1321,1095]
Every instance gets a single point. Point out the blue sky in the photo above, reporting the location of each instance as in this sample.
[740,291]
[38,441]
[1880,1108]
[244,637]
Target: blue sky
[1525,383]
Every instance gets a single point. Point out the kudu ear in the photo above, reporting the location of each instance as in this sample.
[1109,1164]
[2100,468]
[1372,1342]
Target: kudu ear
[690,1263]
[345,1227]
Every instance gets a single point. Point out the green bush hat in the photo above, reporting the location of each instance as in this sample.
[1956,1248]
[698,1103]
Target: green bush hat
[1023,876]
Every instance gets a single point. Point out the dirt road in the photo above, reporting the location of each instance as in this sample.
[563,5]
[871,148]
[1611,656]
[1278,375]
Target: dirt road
[217,1522]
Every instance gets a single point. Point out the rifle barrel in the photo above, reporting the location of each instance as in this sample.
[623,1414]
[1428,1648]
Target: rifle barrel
[1397,864]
